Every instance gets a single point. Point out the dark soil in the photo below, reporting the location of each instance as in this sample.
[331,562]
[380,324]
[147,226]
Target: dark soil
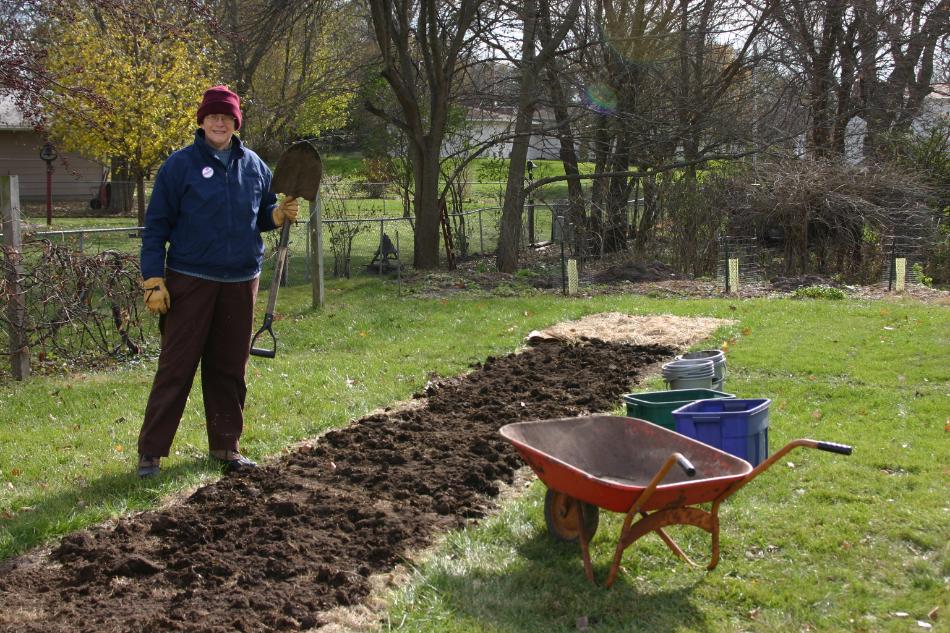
[273,549]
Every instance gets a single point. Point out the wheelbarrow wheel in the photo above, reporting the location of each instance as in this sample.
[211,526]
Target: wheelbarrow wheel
[564,516]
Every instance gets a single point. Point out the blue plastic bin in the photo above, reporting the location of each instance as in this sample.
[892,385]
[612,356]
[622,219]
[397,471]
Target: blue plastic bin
[737,426]
[658,406]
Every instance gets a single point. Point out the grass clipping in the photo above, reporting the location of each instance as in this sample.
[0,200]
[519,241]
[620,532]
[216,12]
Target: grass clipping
[616,327]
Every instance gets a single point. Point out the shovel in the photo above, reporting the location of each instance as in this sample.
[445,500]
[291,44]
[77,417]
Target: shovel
[297,175]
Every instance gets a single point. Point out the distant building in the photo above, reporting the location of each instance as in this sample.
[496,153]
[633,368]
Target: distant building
[484,124]
[934,111]
[74,177]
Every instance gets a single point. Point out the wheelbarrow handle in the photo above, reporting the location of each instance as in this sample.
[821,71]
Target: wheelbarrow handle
[263,351]
[832,447]
[842,449]
[686,465]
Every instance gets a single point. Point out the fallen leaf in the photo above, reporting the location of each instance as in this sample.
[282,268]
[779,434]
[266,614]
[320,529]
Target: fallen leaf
[933,613]
[119,448]
[746,331]
[16,472]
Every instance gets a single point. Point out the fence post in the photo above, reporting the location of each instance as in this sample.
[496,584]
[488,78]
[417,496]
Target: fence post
[16,309]
[481,234]
[380,250]
[891,265]
[726,260]
[531,240]
[316,260]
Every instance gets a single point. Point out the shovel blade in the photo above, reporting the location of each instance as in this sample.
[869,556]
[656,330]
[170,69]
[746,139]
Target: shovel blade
[298,172]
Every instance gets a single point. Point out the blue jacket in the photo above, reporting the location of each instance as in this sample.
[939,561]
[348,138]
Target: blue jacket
[210,216]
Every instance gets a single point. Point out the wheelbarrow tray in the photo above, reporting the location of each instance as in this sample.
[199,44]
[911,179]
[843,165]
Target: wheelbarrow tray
[608,461]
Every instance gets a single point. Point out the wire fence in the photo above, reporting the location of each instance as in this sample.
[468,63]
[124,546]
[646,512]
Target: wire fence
[385,244]
[548,247]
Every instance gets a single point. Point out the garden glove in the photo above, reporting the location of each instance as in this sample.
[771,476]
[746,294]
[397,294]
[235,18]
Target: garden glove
[156,295]
[285,211]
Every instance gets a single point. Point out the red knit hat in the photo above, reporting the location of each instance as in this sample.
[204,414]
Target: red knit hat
[220,100]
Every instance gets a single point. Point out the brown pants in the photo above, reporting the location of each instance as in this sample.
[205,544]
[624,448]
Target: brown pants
[210,322]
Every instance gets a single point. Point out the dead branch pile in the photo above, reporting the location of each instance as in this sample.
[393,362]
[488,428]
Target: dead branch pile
[828,217]
[80,309]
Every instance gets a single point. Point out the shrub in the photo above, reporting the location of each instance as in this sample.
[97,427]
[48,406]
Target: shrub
[818,292]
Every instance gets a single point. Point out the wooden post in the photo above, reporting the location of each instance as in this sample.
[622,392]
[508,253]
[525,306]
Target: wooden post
[316,255]
[16,308]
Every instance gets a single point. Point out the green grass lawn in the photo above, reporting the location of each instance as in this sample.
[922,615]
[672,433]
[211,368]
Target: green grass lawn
[818,542]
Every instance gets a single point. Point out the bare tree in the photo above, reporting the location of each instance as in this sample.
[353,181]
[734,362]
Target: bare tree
[536,53]
[423,45]
[898,43]
[294,63]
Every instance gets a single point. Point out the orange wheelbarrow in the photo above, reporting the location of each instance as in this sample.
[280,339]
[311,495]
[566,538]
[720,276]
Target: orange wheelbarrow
[627,465]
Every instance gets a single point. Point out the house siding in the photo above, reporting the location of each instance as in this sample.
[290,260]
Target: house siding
[74,177]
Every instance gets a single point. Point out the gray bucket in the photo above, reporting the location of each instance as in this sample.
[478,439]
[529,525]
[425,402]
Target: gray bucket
[685,373]
[719,364]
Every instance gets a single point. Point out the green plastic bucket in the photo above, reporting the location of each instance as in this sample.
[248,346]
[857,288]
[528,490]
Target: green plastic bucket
[657,406]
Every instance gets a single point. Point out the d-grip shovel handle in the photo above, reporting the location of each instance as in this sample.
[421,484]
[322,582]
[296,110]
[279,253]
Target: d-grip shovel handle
[263,351]
[272,298]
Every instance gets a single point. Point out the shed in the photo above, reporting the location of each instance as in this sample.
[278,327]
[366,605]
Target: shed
[74,176]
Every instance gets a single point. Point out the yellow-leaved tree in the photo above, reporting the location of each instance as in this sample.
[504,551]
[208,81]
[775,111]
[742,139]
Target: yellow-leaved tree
[130,76]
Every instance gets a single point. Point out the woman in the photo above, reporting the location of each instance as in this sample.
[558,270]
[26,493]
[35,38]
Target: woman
[210,203]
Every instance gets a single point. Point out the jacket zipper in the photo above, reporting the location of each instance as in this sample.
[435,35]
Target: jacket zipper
[227,211]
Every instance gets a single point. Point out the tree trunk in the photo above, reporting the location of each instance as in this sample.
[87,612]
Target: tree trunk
[509,241]
[576,214]
[120,187]
[426,199]
[140,196]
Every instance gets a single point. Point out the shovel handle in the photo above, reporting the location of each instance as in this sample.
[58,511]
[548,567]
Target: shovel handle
[263,351]
[272,298]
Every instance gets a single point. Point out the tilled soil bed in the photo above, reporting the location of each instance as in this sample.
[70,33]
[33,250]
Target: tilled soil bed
[274,549]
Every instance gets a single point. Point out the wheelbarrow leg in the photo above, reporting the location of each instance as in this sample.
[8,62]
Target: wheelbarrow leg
[655,522]
[584,538]
[625,532]
[673,545]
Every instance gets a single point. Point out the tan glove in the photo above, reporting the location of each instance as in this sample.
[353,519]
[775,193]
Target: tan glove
[285,211]
[157,299]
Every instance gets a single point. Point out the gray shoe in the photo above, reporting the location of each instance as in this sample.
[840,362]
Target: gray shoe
[233,461]
[148,466]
